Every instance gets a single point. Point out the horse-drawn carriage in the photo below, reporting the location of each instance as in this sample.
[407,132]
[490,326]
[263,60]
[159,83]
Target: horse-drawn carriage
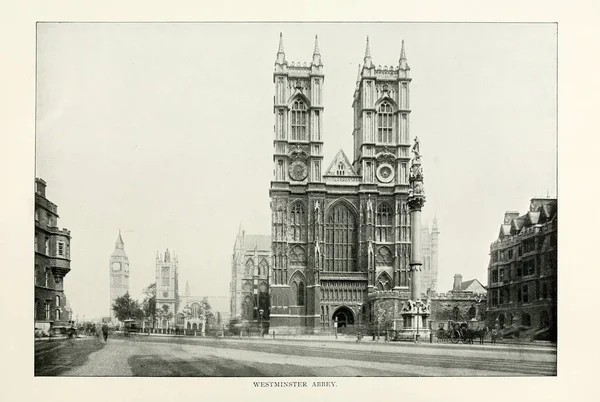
[460,332]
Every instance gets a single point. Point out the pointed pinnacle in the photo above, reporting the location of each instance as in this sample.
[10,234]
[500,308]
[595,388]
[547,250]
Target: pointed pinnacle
[367,49]
[402,52]
[280,43]
[316,52]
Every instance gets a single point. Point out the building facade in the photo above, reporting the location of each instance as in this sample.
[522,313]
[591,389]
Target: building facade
[429,253]
[249,287]
[52,248]
[118,270]
[522,274]
[167,288]
[342,234]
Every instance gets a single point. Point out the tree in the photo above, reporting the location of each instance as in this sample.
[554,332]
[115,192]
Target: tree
[149,303]
[126,308]
[164,313]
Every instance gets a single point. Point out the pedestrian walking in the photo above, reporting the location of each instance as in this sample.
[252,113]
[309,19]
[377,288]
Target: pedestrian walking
[105,332]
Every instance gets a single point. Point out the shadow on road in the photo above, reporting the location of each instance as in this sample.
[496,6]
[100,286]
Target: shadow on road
[60,355]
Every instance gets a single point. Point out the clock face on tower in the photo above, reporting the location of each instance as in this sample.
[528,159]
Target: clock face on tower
[385,173]
[165,294]
[116,266]
[298,171]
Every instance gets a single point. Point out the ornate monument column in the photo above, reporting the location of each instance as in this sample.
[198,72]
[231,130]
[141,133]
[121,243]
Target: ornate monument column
[415,311]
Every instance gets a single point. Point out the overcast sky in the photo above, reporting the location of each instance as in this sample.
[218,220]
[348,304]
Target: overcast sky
[165,131]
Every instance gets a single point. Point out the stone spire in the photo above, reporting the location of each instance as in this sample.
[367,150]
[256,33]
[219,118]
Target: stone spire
[368,61]
[316,61]
[280,52]
[402,61]
[187,289]
[119,243]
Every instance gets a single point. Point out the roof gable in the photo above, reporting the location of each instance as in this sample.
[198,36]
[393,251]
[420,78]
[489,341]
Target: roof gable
[340,160]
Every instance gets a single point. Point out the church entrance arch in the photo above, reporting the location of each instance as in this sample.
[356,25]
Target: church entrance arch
[344,316]
[194,326]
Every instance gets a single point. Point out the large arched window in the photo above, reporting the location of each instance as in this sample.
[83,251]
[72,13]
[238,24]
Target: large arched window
[384,123]
[340,240]
[384,257]
[263,268]
[249,268]
[195,310]
[298,222]
[383,223]
[299,120]
[298,256]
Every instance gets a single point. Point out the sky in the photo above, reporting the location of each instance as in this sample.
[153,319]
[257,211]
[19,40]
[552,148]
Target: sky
[165,131]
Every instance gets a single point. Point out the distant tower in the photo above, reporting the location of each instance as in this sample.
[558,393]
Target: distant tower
[119,273]
[435,232]
[167,288]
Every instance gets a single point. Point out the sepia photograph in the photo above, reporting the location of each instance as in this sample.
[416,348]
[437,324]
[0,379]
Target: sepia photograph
[283,200]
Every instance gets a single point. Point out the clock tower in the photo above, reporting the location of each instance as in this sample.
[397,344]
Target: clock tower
[118,272]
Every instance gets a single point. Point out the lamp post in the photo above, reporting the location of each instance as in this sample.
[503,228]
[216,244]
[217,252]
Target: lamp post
[359,321]
[260,314]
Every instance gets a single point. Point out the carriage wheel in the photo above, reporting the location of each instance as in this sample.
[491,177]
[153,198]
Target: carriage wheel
[454,336]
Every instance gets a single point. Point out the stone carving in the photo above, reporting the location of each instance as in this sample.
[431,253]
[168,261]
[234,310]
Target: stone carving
[416,151]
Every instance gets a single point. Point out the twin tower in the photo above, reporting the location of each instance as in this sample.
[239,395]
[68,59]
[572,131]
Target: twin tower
[341,234]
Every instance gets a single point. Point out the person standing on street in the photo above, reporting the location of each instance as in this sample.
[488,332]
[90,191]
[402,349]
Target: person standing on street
[105,332]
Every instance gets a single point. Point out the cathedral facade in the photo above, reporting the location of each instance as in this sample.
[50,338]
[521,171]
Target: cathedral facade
[343,234]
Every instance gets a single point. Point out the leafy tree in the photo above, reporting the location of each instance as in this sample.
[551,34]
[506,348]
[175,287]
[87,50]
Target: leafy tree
[126,308]
[149,303]
[164,313]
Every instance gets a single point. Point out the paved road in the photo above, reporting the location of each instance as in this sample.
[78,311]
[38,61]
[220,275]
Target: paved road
[162,356]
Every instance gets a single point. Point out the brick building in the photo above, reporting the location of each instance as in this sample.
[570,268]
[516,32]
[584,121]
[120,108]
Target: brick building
[522,272]
[52,262]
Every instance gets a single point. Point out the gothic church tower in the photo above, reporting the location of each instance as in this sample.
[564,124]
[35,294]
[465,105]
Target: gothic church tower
[167,287]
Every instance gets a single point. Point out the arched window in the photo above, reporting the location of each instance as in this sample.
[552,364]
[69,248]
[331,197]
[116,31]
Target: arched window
[249,268]
[301,294]
[298,256]
[341,169]
[383,223]
[195,310]
[299,120]
[298,222]
[340,240]
[384,123]
[263,268]
[384,257]
[472,312]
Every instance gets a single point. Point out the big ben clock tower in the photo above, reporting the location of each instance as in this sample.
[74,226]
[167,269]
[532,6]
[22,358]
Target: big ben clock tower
[119,273]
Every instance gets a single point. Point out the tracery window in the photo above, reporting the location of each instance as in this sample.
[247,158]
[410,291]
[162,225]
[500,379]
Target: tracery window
[383,223]
[165,276]
[249,268]
[298,222]
[299,120]
[384,257]
[341,169]
[384,123]
[298,256]
[340,240]
[263,268]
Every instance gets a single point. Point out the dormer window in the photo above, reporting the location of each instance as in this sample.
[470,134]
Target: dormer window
[341,169]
